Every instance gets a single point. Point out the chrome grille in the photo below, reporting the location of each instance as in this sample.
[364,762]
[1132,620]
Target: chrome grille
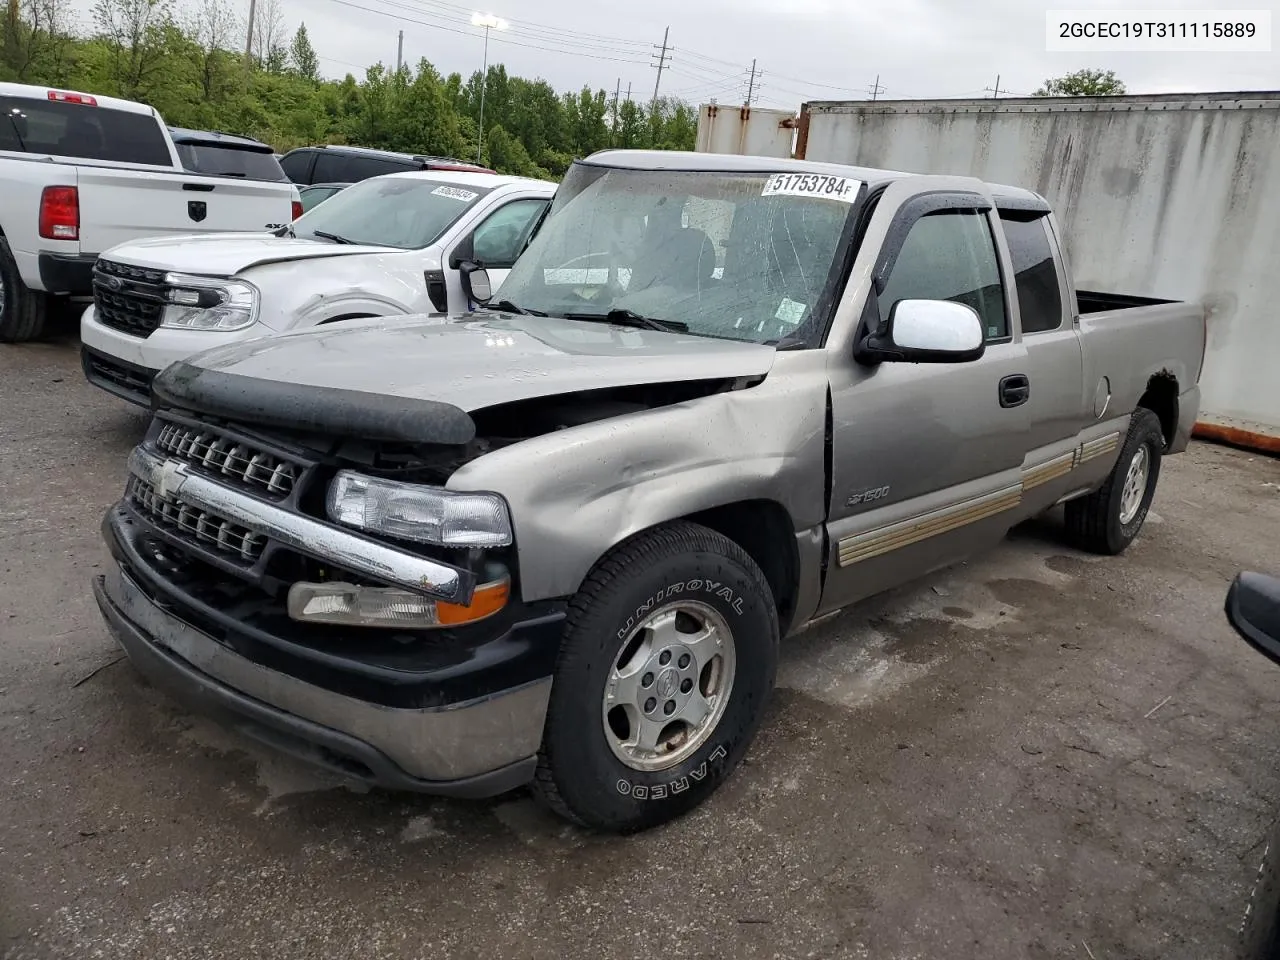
[201,526]
[217,453]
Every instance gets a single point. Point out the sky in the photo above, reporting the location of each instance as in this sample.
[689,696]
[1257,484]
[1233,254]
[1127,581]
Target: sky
[803,49]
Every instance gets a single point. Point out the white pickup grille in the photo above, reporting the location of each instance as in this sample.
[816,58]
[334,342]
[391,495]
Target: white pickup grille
[194,524]
[230,458]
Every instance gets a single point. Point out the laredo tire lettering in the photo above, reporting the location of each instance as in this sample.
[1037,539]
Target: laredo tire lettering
[661,791]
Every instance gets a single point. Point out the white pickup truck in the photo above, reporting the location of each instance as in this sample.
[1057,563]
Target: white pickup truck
[80,174]
[402,243]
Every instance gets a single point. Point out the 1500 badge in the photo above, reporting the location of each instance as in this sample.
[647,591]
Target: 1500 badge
[866,496]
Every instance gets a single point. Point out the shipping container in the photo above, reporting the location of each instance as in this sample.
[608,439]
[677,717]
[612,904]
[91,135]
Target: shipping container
[1173,196]
[752,131]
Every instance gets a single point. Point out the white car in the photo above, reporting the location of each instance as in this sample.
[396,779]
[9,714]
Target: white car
[81,173]
[395,244]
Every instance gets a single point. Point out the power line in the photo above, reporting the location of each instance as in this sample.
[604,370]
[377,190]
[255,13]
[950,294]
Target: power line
[751,83]
[466,33]
[875,89]
[996,91]
[533,27]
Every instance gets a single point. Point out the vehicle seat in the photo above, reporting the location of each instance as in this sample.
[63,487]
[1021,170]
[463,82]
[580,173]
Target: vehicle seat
[679,257]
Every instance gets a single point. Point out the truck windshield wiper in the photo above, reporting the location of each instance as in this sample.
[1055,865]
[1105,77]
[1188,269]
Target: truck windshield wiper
[629,318]
[331,236]
[506,306]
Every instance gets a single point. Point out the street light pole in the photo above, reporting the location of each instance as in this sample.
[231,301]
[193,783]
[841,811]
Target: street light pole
[489,22]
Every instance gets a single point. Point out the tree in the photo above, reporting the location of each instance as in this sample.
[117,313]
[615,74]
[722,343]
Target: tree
[1083,83]
[303,54]
[268,32]
[214,27]
[135,34]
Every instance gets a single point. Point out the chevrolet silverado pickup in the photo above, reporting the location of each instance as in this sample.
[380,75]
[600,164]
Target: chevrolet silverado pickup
[557,542]
[81,173]
[388,245]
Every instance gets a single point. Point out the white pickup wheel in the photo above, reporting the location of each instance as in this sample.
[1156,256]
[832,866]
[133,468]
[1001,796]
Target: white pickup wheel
[669,654]
[1109,519]
[22,311]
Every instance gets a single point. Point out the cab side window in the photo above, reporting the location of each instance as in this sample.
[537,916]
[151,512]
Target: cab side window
[1035,275]
[501,238]
[950,255]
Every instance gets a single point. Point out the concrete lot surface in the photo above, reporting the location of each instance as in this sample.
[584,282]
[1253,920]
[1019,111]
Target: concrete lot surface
[1035,754]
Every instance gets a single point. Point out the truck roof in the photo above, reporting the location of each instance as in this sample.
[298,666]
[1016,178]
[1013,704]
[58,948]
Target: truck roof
[738,163]
[487,181]
[32,92]
[217,138]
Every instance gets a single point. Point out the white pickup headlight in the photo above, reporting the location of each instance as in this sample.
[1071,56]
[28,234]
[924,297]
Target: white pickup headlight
[410,511]
[208,303]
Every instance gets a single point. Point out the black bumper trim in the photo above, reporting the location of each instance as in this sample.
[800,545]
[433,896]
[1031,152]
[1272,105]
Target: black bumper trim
[67,273]
[117,377]
[310,742]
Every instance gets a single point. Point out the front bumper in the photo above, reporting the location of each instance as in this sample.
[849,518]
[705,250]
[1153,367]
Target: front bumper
[125,380]
[163,346]
[297,700]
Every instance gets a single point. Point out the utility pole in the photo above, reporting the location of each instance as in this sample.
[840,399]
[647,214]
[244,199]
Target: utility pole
[400,52]
[662,62]
[875,89]
[996,91]
[751,83]
[616,91]
[248,42]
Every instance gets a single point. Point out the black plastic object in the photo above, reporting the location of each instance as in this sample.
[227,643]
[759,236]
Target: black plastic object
[1253,608]
[310,409]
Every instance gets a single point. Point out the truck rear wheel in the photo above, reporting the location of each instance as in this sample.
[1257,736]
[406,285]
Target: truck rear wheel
[669,655]
[22,311]
[1108,520]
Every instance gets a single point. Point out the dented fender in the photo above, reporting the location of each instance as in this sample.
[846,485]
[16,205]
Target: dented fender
[576,493]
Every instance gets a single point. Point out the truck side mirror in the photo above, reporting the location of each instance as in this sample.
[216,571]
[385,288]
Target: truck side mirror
[1253,608]
[926,331]
[475,282]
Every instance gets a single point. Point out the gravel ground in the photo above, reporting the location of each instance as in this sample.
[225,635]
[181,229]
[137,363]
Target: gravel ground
[1035,754]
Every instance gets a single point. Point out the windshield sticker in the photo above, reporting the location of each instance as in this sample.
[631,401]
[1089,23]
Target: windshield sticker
[844,189]
[790,311]
[455,193]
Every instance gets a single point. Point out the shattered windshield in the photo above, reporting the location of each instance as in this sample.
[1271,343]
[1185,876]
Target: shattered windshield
[738,256]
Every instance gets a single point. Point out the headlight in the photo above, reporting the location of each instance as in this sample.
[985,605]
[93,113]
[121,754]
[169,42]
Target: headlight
[208,303]
[410,511]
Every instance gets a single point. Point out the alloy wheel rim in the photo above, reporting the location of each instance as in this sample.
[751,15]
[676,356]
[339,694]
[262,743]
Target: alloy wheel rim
[1135,485]
[668,686]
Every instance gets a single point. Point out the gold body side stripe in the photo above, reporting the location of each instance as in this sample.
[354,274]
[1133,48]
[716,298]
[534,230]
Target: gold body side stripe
[875,543]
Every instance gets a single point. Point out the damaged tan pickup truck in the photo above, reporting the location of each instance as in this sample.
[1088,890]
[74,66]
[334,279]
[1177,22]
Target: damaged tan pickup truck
[557,541]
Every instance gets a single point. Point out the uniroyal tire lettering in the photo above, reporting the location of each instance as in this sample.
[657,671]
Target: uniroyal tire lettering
[661,791]
[714,587]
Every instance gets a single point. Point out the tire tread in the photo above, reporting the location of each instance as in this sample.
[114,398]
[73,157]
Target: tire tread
[670,539]
[1087,519]
[25,309]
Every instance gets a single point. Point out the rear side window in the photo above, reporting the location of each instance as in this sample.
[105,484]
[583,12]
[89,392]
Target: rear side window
[350,167]
[82,131]
[297,165]
[950,256]
[221,161]
[1035,275]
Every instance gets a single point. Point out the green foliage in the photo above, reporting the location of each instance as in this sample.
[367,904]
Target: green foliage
[188,62]
[1083,83]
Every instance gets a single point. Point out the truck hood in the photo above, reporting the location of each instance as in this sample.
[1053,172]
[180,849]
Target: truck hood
[418,378]
[226,254]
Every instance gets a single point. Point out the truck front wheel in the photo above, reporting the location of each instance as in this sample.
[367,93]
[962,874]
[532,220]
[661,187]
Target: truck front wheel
[22,311]
[669,655]
[1108,520]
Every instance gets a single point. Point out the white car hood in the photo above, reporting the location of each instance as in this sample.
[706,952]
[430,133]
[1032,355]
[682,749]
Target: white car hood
[226,254]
